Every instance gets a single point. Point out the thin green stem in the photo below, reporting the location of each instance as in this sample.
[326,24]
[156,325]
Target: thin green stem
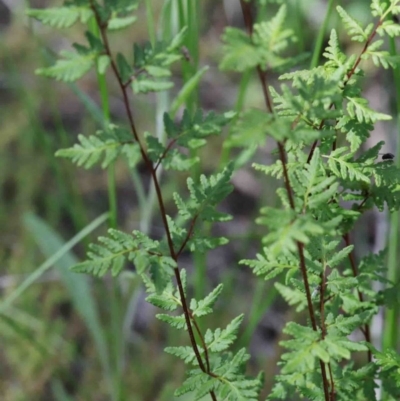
[391,330]
[189,16]
[320,37]
[105,105]
[162,100]
[150,22]
[118,344]
[298,21]
[259,305]
[241,96]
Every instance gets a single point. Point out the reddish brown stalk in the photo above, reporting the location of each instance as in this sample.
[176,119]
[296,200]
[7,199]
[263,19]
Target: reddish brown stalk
[324,331]
[300,246]
[366,330]
[363,202]
[167,149]
[204,345]
[332,393]
[152,170]
[189,234]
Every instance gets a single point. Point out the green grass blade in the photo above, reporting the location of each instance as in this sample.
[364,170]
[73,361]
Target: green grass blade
[320,37]
[260,304]
[58,253]
[184,94]
[390,329]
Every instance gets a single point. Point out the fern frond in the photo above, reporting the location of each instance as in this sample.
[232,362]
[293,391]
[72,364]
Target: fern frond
[333,53]
[353,28]
[220,340]
[62,17]
[342,167]
[93,149]
[239,53]
[204,306]
[357,107]
[72,67]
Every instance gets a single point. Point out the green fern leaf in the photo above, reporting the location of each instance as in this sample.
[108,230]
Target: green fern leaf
[357,107]
[167,299]
[333,53]
[152,64]
[178,322]
[114,250]
[220,340]
[390,28]
[204,307]
[353,28]
[292,296]
[250,129]
[239,53]
[271,39]
[269,267]
[338,257]
[92,149]
[196,379]
[71,68]
[378,7]
[356,132]
[111,254]
[117,23]
[62,17]
[289,229]
[185,353]
[348,169]
[304,349]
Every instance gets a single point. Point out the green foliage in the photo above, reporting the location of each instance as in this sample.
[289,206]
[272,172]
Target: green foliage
[72,67]
[353,28]
[323,107]
[113,251]
[109,144]
[229,383]
[263,48]
[320,121]
[62,17]
[336,57]
[190,134]
[151,65]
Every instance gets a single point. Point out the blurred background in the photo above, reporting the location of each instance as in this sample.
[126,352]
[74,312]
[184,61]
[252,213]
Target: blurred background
[69,337]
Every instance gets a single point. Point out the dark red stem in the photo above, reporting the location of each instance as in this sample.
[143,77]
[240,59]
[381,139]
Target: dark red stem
[152,170]
[300,246]
[366,330]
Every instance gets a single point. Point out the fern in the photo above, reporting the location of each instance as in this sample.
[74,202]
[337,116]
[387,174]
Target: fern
[72,67]
[264,47]
[320,121]
[62,17]
[353,28]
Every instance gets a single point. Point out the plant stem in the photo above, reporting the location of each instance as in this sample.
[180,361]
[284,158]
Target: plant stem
[390,331]
[300,246]
[116,321]
[160,199]
[320,37]
[366,330]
